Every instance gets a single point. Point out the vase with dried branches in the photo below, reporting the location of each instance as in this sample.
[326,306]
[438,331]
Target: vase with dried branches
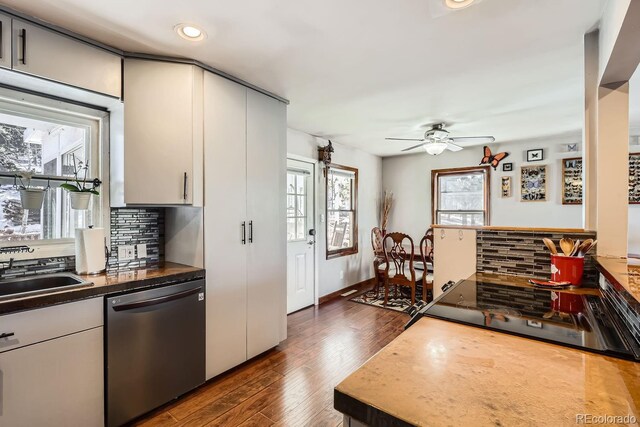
[385,210]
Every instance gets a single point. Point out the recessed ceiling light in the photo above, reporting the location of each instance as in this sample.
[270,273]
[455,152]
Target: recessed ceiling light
[190,32]
[458,4]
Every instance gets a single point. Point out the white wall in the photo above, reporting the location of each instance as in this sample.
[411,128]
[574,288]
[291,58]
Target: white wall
[610,25]
[409,177]
[358,267]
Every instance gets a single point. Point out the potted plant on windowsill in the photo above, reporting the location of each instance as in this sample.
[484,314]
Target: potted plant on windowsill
[80,193]
[30,198]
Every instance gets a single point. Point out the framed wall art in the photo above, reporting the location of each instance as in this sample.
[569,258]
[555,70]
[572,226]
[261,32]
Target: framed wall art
[634,179]
[533,183]
[572,181]
[505,186]
[507,167]
[536,155]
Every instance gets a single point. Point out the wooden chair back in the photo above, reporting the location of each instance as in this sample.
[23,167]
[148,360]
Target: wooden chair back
[395,255]
[426,247]
[376,242]
[426,255]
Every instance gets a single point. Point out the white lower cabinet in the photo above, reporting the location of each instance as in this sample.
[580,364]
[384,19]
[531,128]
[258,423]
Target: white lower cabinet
[59,379]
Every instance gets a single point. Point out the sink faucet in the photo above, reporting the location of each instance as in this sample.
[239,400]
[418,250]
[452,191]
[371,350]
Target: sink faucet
[8,266]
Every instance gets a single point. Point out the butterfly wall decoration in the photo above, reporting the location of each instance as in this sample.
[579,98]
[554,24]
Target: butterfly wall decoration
[491,159]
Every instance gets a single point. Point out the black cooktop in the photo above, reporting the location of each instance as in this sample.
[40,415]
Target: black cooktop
[582,321]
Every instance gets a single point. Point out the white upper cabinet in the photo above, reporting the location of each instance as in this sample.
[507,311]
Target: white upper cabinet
[163,133]
[44,53]
[5,41]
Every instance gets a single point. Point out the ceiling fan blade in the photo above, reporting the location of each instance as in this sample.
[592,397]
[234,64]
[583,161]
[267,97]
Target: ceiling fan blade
[404,139]
[453,147]
[486,139]
[415,146]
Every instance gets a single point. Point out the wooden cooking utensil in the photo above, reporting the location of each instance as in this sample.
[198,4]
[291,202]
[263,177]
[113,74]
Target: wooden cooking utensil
[566,244]
[584,247]
[576,245]
[550,245]
[588,248]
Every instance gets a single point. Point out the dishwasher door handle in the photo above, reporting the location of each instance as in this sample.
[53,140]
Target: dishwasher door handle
[156,301]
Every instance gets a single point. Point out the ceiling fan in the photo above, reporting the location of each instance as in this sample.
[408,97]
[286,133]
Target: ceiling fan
[436,140]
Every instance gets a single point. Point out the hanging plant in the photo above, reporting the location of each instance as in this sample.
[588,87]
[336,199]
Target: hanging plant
[80,192]
[30,198]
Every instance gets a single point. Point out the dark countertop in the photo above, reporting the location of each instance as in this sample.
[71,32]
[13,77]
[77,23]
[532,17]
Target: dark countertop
[588,288]
[623,274]
[109,283]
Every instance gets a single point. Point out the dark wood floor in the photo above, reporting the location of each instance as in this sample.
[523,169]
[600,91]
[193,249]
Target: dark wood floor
[293,384]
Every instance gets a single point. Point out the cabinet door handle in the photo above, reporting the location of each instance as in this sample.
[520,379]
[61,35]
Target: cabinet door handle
[184,187]
[7,335]
[23,45]
[1,40]
[250,231]
[244,233]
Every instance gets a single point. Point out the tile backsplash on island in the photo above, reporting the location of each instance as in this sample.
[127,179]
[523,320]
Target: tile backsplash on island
[522,252]
[129,226]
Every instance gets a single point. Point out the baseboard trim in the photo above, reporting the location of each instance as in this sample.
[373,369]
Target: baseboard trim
[360,286]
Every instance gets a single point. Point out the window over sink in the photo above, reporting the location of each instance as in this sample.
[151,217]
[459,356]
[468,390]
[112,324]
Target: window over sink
[45,137]
[460,196]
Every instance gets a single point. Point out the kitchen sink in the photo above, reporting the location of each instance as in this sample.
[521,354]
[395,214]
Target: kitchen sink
[34,285]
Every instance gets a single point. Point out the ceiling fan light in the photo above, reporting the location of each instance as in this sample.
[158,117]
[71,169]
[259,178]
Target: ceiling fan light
[458,4]
[435,148]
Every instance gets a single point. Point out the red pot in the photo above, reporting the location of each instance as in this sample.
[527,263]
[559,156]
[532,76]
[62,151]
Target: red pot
[567,269]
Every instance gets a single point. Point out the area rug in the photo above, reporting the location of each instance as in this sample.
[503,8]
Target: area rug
[402,303]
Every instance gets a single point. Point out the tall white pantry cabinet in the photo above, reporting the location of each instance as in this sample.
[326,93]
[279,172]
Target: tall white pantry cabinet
[244,222]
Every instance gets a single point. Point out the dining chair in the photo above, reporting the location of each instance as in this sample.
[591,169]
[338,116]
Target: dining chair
[399,270]
[426,255]
[378,259]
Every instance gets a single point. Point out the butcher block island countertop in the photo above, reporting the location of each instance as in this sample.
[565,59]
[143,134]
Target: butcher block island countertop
[439,373]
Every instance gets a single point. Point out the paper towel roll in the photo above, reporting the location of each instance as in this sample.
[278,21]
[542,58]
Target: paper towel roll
[90,250]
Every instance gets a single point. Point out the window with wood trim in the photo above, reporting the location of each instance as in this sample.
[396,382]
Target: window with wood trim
[342,201]
[461,196]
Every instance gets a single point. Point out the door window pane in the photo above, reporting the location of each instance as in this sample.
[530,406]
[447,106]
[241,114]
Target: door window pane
[296,206]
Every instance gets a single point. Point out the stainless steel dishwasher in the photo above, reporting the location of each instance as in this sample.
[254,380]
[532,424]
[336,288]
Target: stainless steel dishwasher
[155,348]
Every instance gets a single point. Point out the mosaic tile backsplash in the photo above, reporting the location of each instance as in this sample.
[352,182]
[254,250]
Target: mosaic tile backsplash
[129,226]
[136,226]
[522,253]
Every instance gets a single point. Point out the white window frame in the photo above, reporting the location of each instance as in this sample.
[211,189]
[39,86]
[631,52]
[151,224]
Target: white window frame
[64,112]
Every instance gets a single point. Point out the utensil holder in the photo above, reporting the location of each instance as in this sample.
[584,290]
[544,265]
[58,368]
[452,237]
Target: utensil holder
[567,269]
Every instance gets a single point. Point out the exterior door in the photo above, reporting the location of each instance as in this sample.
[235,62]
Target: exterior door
[300,242]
